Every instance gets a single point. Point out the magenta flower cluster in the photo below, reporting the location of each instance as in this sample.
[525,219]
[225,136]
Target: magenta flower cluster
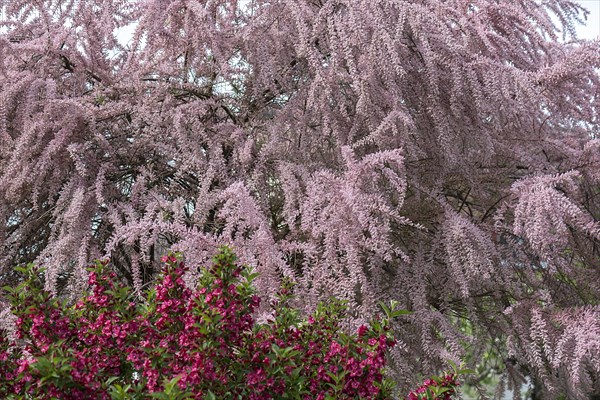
[184,343]
[436,388]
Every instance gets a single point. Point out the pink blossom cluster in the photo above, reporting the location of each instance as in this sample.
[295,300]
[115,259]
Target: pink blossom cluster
[202,343]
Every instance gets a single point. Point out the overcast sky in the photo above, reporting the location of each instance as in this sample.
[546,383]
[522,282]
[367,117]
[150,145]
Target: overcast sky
[592,29]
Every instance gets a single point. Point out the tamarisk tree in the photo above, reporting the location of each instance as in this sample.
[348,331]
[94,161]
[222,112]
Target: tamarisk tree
[441,153]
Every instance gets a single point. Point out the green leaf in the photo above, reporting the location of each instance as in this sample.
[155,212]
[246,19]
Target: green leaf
[170,386]
[210,396]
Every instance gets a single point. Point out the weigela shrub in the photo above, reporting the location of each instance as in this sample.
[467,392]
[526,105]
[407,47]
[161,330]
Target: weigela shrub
[181,343]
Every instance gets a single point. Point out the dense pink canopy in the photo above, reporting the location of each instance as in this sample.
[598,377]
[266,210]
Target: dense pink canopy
[442,153]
